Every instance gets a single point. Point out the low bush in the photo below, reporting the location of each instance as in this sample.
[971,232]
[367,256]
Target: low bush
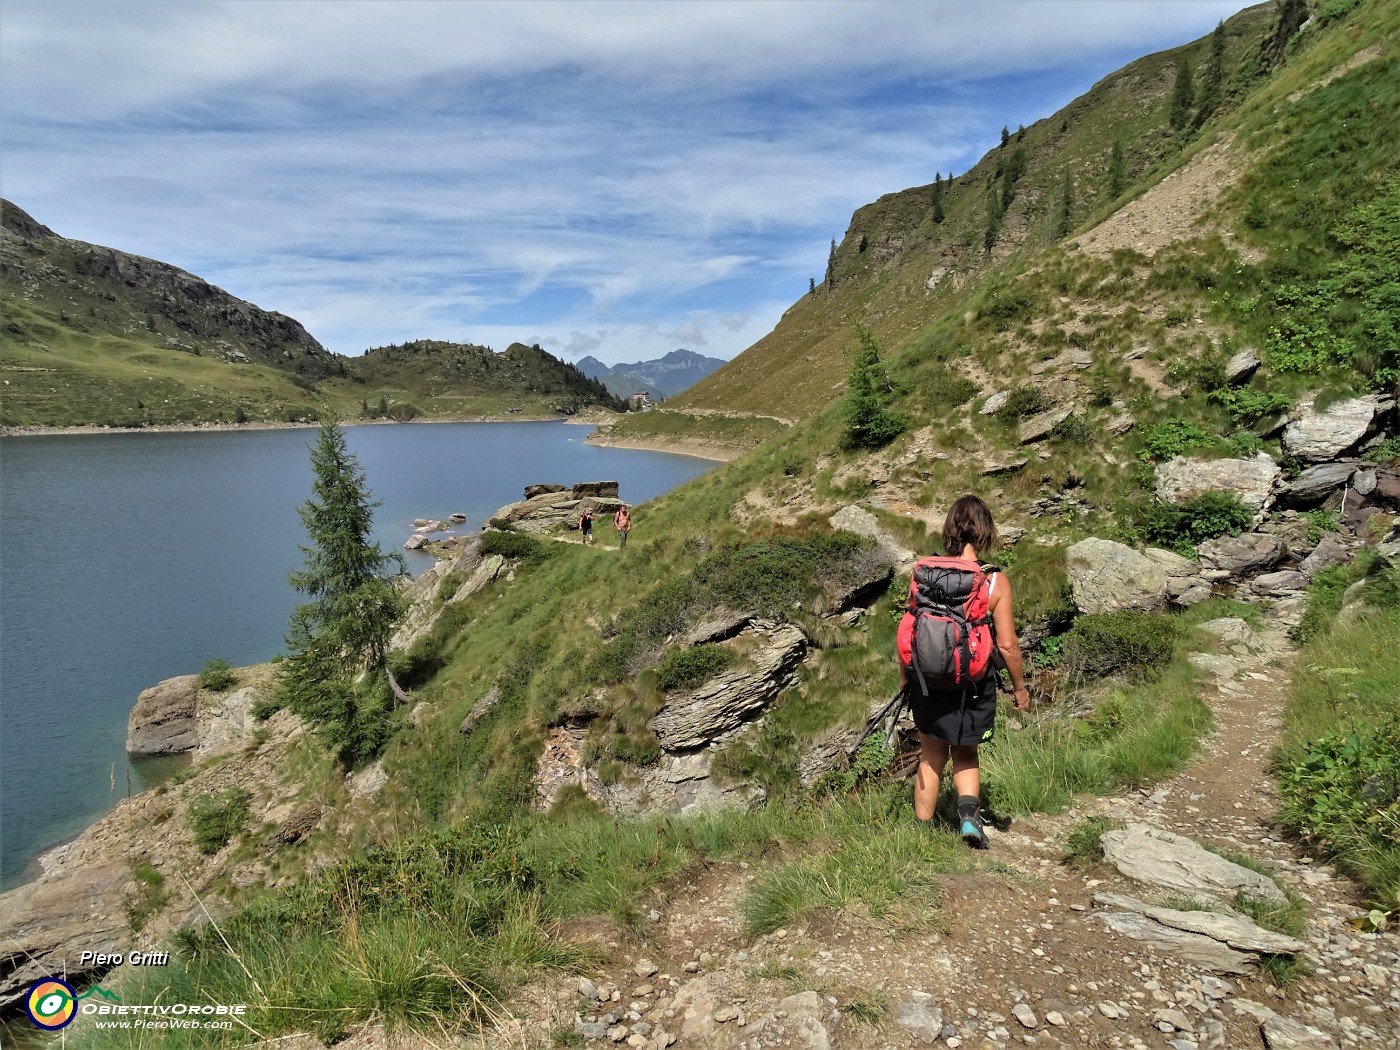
[1174,437]
[1181,528]
[1025,401]
[518,545]
[1136,643]
[217,817]
[217,676]
[683,668]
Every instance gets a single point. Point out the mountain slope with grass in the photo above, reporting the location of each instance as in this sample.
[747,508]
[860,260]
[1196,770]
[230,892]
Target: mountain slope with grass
[951,269]
[94,336]
[628,799]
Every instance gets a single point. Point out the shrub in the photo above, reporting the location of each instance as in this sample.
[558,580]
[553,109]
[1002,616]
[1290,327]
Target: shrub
[1137,643]
[1204,517]
[217,675]
[217,817]
[1025,401]
[1174,437]
[517,545]
[682,668]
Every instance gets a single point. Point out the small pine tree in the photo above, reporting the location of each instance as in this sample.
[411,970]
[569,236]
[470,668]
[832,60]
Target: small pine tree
[1020,132]
[831,265]
[364,409]
[381,411]
[869,421]
[1116,178]
[336,672]
[811,286]
[1005,135]
[1183,94]
[1064,207]
[992,229]
[239,416]
[1291,16]
[1213,90]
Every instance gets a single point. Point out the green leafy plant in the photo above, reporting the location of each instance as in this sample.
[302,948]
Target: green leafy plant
[1024,401]
[1174,437]
[216,817]
[1083,844]
[515,545]
[217,676]
[1181,528]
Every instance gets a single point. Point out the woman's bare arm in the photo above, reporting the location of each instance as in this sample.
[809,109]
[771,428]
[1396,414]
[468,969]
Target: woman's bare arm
[1004,623]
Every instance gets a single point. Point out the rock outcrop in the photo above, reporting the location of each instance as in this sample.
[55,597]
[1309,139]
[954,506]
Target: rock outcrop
[1106,576]
[733,697]
[1315,435]
[1251,481]
[546,508]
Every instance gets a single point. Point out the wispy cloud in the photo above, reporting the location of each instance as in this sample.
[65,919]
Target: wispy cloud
[607,178]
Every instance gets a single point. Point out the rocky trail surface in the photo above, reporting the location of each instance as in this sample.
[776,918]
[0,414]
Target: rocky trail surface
[1031,951]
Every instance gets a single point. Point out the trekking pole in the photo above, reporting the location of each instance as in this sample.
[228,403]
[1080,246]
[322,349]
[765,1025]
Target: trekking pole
[893,707]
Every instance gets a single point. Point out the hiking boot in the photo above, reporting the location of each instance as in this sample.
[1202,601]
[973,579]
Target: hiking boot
[970,823]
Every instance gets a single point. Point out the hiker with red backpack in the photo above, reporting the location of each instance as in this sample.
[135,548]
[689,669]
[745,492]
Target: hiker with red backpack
[957,631]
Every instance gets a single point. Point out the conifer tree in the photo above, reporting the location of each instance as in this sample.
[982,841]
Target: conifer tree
[992,229]
[1183,94]
[831,265]
[811,286]
[1064,207]
[336,671]
[869,421]
[1291,15]
[1213,90]
[1116,179]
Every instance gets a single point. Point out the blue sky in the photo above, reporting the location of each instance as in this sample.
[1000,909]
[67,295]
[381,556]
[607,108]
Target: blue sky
[615,179]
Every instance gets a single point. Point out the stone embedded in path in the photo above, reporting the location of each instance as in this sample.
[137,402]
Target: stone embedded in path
[1282,1033]
[1237,931]
[1232,631]
[1174,862]
[921,1017]
[1202,951]
[1106,576]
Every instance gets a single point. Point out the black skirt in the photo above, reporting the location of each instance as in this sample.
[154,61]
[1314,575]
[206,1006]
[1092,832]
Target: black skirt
[962,717]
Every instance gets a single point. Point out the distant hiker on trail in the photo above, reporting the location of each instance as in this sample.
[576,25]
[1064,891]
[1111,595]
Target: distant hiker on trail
[958,622]
[585,524]
[622,522]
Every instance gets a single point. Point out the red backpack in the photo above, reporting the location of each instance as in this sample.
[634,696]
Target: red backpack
[946,635]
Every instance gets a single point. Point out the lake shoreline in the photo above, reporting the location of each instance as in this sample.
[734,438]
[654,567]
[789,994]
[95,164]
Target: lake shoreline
[196,428]
[672,446]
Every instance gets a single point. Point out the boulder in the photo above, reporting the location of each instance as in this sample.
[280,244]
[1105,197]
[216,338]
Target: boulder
[1242,554]
[1232,632]
[1184,583]
[995,402]
[599,489]
[1241,366]
[415,542]
[718,625]
[1277,584]
[732,697]
[1120,424]
[164,721]
[863,523]
[1039,426]
[46,926]
[531,491]
[1173,862]
[1329,551]
[1251,481]
[1314,435]
[1283,1033]
[1316,483]
[1106,576]
[680,784]
[480,709]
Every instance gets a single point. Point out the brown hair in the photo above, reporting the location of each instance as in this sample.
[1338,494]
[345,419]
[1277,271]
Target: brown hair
[969,521]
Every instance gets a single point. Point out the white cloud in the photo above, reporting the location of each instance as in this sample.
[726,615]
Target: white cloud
[639,174]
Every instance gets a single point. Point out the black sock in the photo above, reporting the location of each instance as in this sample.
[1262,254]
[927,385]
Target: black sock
[967,806]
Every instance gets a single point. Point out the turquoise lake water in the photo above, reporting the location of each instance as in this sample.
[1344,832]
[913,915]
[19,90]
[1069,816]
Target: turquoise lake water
[129,558]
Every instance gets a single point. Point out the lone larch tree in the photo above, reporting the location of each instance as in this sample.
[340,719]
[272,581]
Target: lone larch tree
[336,674]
